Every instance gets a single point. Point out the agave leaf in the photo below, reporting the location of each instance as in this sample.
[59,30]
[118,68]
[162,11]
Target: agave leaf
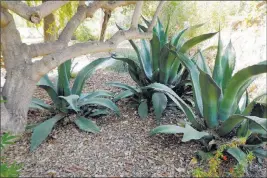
[167,59]
[123,94]
[124,86]
[72,100]
[218,71]
[243,130]
[98,93]
[159,101]
[210,93]
[228,64]
[102,102]
[228,103]
[167,29]
[178,101]
[173,75]
[39,104]
[41,132]
[145,20]
[86,125]
[63,86]
[194,74]
[194,41]
[146,58]
[202,63]
[166,129]
[99,112]
[262,100]
[259,152]
[84,74]
[189,133]
[143,109]
[160,33]
[48,86]
[238,154]
[235,120]
[143,28]
[176,38]
[155,52]
[133,68]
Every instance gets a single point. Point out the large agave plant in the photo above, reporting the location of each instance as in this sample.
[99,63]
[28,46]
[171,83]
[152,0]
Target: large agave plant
[217,96]
[158,63]
[67,100]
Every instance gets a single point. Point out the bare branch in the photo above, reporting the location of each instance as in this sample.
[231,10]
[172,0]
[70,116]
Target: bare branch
[73,24]
[111,5]
[39,68]
[137,14]
[154,20]
[105,24]
[42,49]
[49,62]
[33,14]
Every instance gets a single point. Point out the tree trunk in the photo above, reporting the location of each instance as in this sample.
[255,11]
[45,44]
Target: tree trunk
[17,92]
[18,87]
[105,24]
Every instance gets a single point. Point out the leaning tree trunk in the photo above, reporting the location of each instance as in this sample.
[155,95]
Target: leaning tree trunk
[19,87]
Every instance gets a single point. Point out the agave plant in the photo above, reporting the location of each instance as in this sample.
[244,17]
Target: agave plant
[67,101]
[217,96]
[158,63]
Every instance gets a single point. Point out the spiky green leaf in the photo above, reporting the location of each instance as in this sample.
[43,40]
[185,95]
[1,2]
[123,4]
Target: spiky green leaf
[159,101]
[41,132]
[210,93]
[143,109]
[86,125]
[228,104]
[85,73]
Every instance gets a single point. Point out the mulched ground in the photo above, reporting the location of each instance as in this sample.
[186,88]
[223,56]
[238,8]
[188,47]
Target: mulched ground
[123,148]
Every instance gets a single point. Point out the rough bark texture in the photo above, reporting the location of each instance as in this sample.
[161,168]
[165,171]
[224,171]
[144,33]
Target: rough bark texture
[23,74]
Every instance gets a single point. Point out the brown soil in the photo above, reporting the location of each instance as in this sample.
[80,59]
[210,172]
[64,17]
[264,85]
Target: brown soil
[123,148]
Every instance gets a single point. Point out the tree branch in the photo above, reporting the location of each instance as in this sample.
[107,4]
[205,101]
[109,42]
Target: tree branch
[111,5]
[137,14]
[33,14]
[49,62]
[73,24]
[154,20]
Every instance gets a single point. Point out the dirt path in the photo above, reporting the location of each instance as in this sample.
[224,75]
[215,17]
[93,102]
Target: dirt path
[123,148]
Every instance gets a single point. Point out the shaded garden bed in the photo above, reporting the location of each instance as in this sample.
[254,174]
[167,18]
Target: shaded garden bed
[123,148]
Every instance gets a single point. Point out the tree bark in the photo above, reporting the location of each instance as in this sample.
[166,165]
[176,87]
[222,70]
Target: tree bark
[18,88]
[105,24]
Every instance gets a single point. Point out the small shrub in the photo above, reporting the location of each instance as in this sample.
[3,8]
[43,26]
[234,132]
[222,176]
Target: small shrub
[219,156]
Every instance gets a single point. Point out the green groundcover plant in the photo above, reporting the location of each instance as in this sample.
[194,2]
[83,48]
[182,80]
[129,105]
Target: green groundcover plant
[7,169]
[218,101]
[68,101]
[158,62]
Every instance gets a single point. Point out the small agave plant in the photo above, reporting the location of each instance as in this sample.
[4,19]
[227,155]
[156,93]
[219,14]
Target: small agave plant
[158,63]
[67,101]
[218,100]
